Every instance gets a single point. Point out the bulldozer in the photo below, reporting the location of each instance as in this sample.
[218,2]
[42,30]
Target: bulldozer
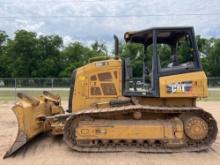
[110,110]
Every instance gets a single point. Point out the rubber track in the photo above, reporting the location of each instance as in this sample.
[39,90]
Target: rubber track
[188,147]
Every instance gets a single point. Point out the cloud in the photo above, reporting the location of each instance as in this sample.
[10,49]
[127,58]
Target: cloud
[29,15]
[29,25]
[67,40]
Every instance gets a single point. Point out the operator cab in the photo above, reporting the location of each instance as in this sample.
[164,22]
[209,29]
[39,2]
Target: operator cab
[164,52]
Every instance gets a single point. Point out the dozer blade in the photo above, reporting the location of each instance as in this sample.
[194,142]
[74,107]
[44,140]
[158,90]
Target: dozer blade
[31,113]
[21,139]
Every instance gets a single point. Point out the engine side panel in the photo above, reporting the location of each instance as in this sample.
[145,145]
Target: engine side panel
[96,83]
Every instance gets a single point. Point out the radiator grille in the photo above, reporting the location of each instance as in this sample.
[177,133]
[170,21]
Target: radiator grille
[106,76]
[95,91]
[93,78]
[108,89]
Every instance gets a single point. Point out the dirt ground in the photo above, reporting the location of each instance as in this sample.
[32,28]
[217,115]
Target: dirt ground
[47,150]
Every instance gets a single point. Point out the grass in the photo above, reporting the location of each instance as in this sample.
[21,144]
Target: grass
[213,96]
[9,95]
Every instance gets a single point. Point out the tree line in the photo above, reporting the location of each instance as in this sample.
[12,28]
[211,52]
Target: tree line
[30,55]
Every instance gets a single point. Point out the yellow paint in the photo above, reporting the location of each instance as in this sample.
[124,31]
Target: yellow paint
[82,78]
[199,85]
[82,98]
[129,129]
[29,116]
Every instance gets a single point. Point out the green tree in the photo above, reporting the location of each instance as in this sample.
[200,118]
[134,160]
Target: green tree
[20,53]
[32,56]
[3,62]
[204,47]
[29,55]
[48,60]
[213,59]
[73,56]
[135,53]
[99,48]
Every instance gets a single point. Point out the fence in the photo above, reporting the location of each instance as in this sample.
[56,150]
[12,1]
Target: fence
[34,82]
[34,86]
[213,82]
[9,87]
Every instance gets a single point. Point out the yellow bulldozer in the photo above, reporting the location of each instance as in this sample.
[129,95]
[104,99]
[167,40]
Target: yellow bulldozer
[110,110]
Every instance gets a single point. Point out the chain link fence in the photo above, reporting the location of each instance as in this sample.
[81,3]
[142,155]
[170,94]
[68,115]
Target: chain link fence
[9,87]
[34,82]
[34,86]
[214,82]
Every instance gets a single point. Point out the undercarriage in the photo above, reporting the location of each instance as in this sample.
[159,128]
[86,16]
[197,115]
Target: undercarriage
[141,129]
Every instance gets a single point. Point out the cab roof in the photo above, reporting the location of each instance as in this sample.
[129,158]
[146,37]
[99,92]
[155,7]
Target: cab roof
[164,34]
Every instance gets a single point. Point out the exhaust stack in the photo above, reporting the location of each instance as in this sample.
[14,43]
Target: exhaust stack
[116,47]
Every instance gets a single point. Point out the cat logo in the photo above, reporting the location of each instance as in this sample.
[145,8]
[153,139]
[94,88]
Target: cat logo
[179,87]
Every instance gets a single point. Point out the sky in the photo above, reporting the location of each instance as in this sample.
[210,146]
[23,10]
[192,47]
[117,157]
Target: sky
[90,20]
